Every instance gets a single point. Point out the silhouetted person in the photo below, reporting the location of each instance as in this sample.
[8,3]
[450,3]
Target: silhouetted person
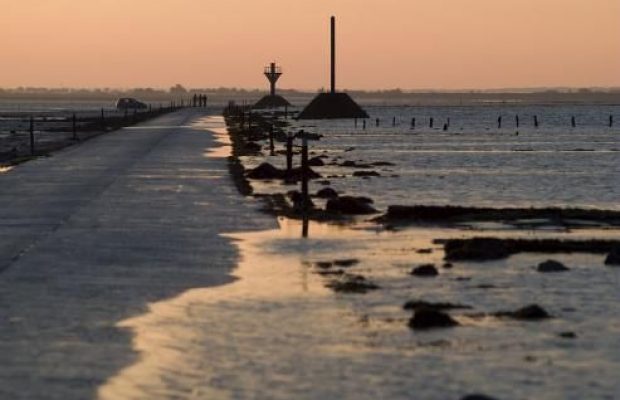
[573,122]
[517,120]
[377,122]
[432,122]
[445,127]
[412,123]
[611,121]
[499,122]
[536,121]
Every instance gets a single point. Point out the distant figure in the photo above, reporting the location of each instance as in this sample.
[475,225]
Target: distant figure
[431,122]
[611,121]
[573,122]
[394,121]
[499,122]
[536,121]
[413,123]
[377,121]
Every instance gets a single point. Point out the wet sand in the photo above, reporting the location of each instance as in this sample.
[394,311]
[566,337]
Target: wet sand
[91,235]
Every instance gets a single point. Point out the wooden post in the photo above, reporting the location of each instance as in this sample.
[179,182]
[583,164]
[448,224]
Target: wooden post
[536,121]
[74,127]
[611,121]
[499,122]
[431,122]
[377,122]
[517,120]
[271,146]
[289,154]
[32,149]
[305,198]
[573,121]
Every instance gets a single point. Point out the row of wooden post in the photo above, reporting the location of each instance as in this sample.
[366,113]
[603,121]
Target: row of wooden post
[446,126]
[74,130]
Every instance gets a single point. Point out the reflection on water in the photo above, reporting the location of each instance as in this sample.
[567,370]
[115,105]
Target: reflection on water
[278,333]
[217,126]
[5,169]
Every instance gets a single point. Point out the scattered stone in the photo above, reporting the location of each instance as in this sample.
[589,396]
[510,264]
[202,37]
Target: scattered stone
[366,173]
[352,284]
[440,306]
[349,149]
[551,266]
[477,249]
[349,205]
[327,193]
[329,272]
[324,264]
[426,318]
[447,265]
[613,258]
[424,251]
[382,164]
[568,335]
[347,262]
[533,312]
[478,397]
[426,270]
[253,147]
[316,162]
[266,171]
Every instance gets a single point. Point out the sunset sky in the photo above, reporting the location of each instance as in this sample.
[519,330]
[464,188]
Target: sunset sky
[411,44]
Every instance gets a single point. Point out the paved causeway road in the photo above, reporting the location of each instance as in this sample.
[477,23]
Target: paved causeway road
[91,235]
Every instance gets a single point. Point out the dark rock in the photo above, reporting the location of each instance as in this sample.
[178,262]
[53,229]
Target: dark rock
[424,251]
[366,173]
[352,284]
[425,270]
[324,182]
[426,318]
[477,249]
[448,265]
[551,266]
[349,205]
[327,193]
[253,146]
[347,262]
[440,306]
[330,272]
[533,312]
[382,164]
[324,264]
[316,162]
[478,397]
[613,258]
[567,335]
[266,171]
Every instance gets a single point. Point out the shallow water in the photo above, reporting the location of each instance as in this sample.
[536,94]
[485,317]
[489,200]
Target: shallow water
[474,163]
[278,333]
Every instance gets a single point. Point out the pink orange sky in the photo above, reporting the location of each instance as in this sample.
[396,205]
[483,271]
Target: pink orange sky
[411,44]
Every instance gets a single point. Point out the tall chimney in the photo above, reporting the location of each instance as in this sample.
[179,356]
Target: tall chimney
[333,50]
